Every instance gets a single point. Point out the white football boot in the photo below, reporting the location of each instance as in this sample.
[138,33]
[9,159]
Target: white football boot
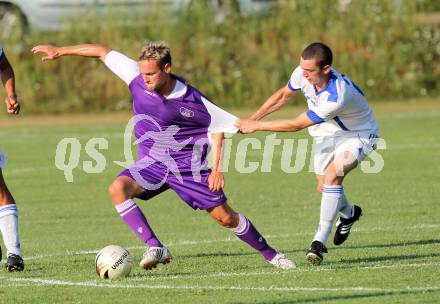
[154,256]
[280,261]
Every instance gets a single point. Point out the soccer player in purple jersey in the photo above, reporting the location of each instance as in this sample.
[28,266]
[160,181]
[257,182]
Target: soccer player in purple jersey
[8,208]
[174,125]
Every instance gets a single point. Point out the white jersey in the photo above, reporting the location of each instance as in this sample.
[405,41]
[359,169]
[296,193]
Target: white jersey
[337,110]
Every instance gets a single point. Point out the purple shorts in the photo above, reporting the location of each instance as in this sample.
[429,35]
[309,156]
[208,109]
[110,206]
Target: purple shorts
[190,187]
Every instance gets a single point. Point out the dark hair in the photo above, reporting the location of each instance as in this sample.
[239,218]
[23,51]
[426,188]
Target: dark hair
[320,52]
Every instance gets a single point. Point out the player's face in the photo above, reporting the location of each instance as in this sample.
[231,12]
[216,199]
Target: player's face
[312,72]
[154,77]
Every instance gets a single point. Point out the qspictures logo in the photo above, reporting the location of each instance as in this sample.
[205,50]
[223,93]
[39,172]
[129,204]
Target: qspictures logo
[246,156]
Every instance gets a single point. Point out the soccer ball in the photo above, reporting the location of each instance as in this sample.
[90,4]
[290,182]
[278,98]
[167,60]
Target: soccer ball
[113,262]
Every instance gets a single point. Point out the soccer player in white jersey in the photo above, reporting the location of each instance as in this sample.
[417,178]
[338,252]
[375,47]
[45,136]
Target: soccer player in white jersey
[344,131]
[8,208]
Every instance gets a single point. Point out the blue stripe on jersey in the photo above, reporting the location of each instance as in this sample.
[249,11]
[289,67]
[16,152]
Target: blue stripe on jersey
[332,91]
[330,88]
[339,122]
[357,88]
[314,117]
[292,88]
[354,85]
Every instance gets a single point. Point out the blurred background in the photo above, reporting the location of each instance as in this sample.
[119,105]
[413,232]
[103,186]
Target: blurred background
[237,52]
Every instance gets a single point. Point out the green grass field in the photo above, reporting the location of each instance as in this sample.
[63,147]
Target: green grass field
[392,256]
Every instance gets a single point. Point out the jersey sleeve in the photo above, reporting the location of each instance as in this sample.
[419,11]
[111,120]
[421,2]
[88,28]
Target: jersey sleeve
[1,51]
[326,111]
[221,121]
[124,67]
[295,79]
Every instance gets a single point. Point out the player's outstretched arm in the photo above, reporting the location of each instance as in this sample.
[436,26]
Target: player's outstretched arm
[216,180]
[8,80]
[86,50]
[302,121]
[273,103]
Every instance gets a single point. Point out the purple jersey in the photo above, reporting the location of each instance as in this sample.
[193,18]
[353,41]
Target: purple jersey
[187,113]
[176,126]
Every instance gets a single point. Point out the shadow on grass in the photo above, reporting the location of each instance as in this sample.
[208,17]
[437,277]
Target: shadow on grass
[390,258]
[400,244]
[218,254]
[303,250]
[340,298]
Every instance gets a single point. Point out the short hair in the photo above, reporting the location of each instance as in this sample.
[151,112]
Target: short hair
[320,52]
[157,50]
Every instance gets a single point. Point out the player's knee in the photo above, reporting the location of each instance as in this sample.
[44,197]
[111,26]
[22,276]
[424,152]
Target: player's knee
[344,162]
[117,189]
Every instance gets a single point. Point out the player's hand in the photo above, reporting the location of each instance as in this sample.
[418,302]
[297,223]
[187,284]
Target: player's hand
[216,181]
[247,125]
[51,51]
[12,104]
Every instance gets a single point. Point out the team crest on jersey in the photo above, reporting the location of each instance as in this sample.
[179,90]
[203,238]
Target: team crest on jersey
[186,112]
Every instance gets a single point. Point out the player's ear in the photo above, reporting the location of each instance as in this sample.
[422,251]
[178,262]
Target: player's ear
[326,69]
[167,68]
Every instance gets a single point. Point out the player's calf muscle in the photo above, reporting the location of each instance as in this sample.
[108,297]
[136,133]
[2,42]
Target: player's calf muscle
[229,221]
[224,216]
[5,197]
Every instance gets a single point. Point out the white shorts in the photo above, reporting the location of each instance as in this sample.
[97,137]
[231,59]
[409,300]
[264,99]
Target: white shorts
[325,149]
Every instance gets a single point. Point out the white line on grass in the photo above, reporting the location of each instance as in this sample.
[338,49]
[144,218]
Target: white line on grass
[227,240]
[278,273]
[45,282]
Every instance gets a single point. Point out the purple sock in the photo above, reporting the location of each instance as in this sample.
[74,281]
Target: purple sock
[246,232]
[135,219]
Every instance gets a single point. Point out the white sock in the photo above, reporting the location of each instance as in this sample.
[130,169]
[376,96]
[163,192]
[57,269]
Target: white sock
[330,205]
[9,228]
[242,227]
[346,210]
